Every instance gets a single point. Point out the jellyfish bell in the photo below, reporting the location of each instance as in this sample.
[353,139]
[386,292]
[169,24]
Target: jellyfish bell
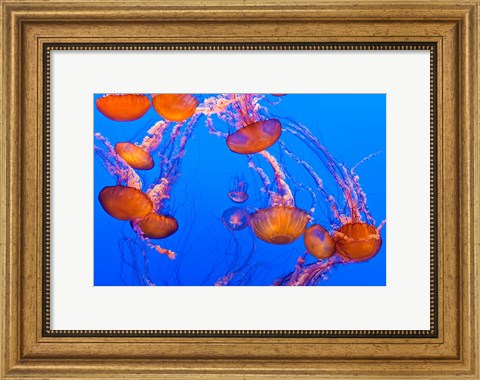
[123,107]
[156,226]
[238,192]
[238,196]
[125,203]
[135,156]
[255,137]
[279,224]
[175,107]
[318,242]
[235,218]
[357,241]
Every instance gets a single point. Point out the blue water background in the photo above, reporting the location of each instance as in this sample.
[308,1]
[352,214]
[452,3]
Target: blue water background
[350,126]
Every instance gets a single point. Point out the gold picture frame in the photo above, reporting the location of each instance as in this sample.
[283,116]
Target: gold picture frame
[31,29]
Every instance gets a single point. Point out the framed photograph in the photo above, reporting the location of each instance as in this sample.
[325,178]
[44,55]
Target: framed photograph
[235,190]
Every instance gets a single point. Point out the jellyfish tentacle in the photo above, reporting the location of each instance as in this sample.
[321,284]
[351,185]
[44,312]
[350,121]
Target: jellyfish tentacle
[286,196]
[159,193]
[296,182]
[249,107]
[318,181]
[263,176]
[347,180]
[180,150]
[224,280]
[363,160]
[212,130]
[236,269]
[154,136]
[380,226]
[298,268]
[327,160]
[309,274]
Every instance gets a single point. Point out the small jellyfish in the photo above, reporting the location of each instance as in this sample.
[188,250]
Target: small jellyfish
[157,226]
[238,193]
[175,107]
[134,155]
[279,224]
[123,107]
[235,218]
[255,137]
[318,242]
[357,241]
[125,203]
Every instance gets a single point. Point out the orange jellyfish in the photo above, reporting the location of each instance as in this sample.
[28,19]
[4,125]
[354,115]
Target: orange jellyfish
[125,203]
[123,107]
[175,107]
[318,242]
[235,218]
[157,226]
[134,155]
[255,137]
[279,224]
[357,241]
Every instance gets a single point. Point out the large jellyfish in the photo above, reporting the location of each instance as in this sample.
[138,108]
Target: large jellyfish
[123,107]
[125,203]
[252,132]
[155,226]
[255,137]
[279,224]
[358,241]
[318,242]
[135,156]
[175,107]
[139,156]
